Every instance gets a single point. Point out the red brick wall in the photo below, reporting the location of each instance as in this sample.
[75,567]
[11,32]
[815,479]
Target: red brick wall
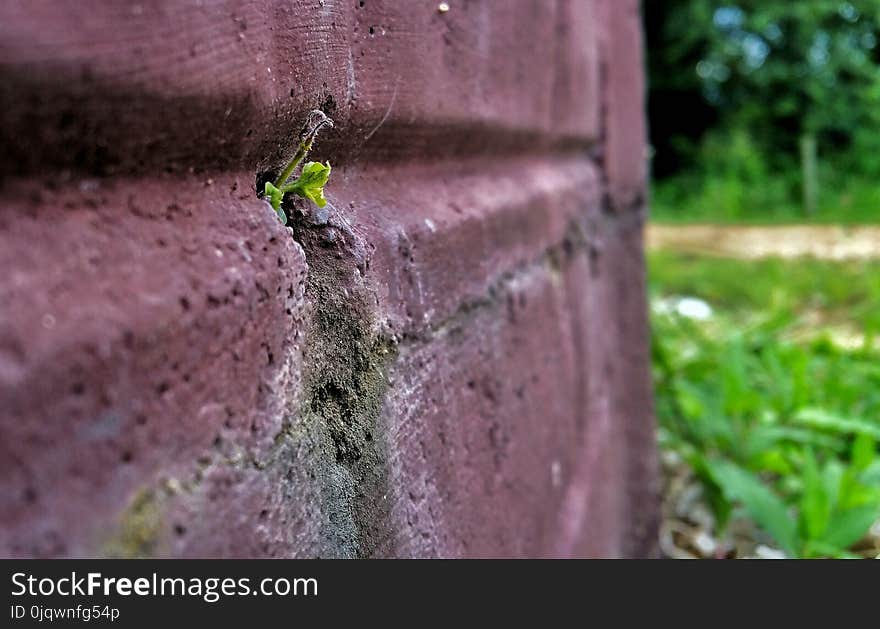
[451,361]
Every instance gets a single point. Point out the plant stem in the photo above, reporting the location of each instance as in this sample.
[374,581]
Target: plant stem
[306,137]
[297,158]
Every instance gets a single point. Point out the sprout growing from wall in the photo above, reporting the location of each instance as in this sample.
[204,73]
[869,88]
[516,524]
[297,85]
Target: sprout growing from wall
[314,175]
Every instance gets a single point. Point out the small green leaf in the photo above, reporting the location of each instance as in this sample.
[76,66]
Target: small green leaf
[850,526]
[311,182]
[767,509]
[815,502]
[871,474]
[863,451]
[275,197]
[720,504]
[821,419]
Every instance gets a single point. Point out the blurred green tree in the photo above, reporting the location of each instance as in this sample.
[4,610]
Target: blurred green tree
[796,74]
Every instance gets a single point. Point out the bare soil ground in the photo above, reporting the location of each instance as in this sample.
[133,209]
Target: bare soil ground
[828,242]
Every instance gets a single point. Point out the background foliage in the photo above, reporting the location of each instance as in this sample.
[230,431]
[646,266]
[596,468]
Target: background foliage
[767,372]
[735,87]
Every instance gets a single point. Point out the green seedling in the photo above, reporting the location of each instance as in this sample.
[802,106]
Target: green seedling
[311,181]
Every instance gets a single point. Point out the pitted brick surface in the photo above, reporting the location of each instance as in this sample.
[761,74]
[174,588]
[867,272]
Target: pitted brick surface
[449,360]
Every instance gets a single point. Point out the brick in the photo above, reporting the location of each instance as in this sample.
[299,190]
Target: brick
[451,359]
[233,79]
[141,323]
[623,93]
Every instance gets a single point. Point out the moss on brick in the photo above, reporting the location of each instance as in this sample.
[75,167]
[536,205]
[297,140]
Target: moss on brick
[138,532]
[345,380]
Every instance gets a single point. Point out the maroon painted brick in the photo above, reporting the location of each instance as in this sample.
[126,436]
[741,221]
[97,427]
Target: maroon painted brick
[623,96]
[449,360]
[231,77]
[140,323]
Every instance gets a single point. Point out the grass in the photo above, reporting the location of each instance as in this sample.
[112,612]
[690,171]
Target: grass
[769,201]
[773,399]
[845,292]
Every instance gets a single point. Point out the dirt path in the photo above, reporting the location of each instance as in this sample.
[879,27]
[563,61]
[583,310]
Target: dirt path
[828,242]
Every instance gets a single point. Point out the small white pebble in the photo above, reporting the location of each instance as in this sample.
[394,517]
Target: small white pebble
[705,544]
[765,552]
[443,7]
[670,458]
[694,308]
[686,307]
[430,225]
